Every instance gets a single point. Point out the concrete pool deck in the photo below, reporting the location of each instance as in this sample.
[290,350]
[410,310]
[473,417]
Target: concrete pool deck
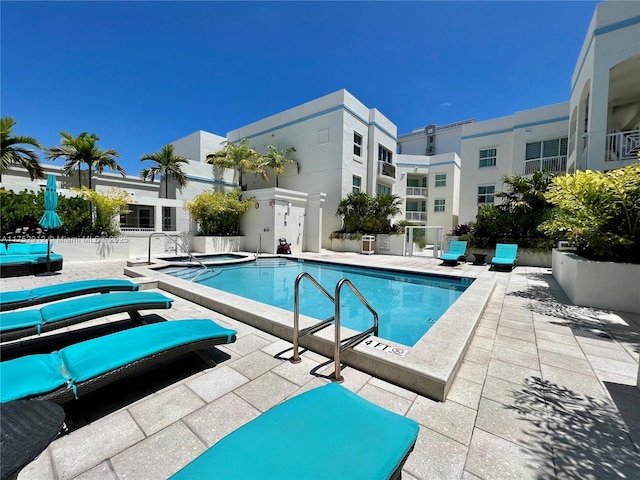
[546,390]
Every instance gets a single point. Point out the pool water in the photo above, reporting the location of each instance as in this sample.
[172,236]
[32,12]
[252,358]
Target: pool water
[407,304]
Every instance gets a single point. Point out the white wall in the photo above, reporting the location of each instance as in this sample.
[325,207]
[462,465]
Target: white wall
[321,131]
[613,36]
[509,136]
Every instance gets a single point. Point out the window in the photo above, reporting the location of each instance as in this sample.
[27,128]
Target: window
[485,194]
[384,154]
[488,157]
[438,205]
[357,183]
[441,179]
[546,149]
[383,189]
[357,144]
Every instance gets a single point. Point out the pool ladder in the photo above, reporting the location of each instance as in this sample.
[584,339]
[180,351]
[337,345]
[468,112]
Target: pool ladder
[335,299]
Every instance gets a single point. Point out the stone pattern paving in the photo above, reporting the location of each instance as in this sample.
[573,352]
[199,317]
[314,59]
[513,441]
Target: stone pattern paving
[547,390]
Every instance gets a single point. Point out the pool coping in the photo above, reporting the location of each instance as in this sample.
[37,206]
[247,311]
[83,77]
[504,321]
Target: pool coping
[428,368]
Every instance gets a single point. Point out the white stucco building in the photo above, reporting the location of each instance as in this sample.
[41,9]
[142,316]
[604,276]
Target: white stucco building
[519,144]
[604,104]
[442,173]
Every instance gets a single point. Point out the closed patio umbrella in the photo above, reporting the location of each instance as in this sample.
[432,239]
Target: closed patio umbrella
[50,219]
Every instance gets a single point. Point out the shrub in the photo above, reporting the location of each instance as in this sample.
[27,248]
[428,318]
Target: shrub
[107,207]
[219,213]
[363,213]
[598,212]
[25,208]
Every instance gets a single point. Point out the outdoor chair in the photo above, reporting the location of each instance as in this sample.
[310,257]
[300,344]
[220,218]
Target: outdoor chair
[22,323]
[28,298]
[505,257]
[456,253]
[325,433]
[83,367]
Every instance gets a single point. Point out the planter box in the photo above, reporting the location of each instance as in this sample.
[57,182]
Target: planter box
[530,258]
[205,244]
[605,285]
[342,245]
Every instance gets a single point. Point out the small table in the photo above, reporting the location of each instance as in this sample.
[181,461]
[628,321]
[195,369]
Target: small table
[27,429]
[479,258]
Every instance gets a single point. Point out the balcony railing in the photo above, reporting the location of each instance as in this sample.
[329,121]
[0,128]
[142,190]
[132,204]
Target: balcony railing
[416,216]
[551,164]
[622,146]
[417,191]
[386,169]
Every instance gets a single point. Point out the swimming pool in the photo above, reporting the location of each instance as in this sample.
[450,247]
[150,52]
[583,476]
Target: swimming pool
[407,304]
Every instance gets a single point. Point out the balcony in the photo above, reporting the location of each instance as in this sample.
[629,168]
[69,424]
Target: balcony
[417,192]
[386,170]
[550,164]
[416,216]
[622,146]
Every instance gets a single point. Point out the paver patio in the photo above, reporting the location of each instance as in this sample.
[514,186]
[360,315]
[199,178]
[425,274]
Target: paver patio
[546,390]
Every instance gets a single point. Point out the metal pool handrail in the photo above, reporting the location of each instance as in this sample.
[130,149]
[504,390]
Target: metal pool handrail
[338,346]
[296,314]
[191,257]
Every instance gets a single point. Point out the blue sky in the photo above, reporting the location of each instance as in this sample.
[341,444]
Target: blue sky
[142,74]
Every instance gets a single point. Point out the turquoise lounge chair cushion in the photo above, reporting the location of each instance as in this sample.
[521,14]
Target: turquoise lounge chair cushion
[22,319]
[75,307]
[325,433]
[38,374]
[19,249]
[16,296]
[39,248]
[94,357]
[457,249]
[506,254]
[72,287]
[63,289]
[80,306]
[24,377]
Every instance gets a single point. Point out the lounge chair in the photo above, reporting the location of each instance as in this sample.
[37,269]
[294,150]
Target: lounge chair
[325,433]
[456,253]
[14,325]
[505,257]
[28,298]
[82,367]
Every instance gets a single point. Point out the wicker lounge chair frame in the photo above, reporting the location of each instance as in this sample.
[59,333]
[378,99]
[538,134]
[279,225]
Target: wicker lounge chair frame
[76,289]
[199,347]
[133,309]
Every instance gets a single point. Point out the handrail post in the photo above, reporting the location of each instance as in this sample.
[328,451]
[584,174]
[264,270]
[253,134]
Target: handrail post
[336,347]
[296,318]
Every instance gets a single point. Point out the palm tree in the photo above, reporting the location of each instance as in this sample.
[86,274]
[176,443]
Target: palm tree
[276,160]
[84,149]
[240,157]
[12,153]
[167,166]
